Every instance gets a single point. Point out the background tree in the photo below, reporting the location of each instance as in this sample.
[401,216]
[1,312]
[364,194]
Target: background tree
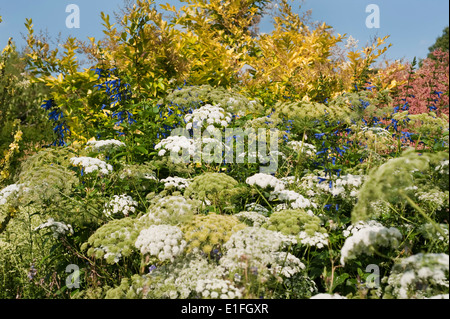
[441,43]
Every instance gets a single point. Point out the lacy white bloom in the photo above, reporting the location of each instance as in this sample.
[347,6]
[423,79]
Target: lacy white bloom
[296,200]
[434,198]
[257,248]
[175,144]
[104,145]
[180,279]
[10,192]
[287,264]
[265,180]
[120,204]
[253,218]
[367,239]
[419,276]
[306,148]
[442,168]
[58,228]
[217,288]
[354,228]
[91,164]
[345,186]
[318,240]
[177,182]
[207,115]
[162,241]
[284,195]
[254,207]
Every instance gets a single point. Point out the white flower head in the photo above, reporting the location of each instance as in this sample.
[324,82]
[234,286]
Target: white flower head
[91,165]
[162,241]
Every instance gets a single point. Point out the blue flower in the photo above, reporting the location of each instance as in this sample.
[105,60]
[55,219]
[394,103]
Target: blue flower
[48,104]
[319,135]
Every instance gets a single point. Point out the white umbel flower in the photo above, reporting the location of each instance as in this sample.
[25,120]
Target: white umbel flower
[176,144]
[162,241]
[120,204]
[58,228]
[367,239]
[91,165]
[207,115]
[176,182]
[11,192]
[265,180]
[104,145]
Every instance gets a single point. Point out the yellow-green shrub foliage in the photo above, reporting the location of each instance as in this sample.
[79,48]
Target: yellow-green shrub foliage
[293,59]
[208,232]
[293,221]
[113,240]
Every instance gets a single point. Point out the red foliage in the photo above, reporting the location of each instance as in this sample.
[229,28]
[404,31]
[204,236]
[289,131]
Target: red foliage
[428,86]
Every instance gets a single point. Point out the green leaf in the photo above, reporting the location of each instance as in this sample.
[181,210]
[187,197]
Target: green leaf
[141,149]
[340,280]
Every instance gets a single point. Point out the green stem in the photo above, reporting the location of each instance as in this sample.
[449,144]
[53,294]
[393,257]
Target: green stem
[400,215]
[428,218]
[264,198]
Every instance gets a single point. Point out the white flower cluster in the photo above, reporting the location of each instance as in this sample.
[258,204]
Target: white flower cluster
[58,228]
[207,115]
[327,296]
[255,207]
[265,180]
[419,276]
[379,207]
[253,218]
[181,277]
[286,264]
[257,248]
[176,182]
[11,192]
[442,168]
[354,228]
[435,198]
[345,186]
[217,288]
[318,240]
[120,204]
[296,200]
[91,164]
[365,240]
[303,147]
[175,144]
[104,145]
[162,241]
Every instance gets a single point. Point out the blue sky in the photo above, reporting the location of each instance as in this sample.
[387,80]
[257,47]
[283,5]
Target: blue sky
[413,25]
